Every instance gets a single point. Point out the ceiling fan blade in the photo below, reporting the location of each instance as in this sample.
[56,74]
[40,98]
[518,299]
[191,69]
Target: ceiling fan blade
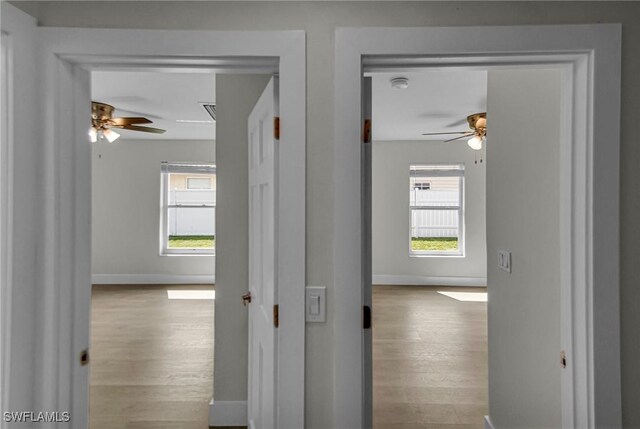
[458,138]
[130,120]
[458,123]
[120,111]
[143,129]
[437,134]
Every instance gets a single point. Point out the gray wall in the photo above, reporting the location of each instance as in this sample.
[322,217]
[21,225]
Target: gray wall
[235,97]
[523,218]
[126,207]
[319,20]
[390,215]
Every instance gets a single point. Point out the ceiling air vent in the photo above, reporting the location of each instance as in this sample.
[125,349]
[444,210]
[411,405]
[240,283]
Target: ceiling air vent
[210,108]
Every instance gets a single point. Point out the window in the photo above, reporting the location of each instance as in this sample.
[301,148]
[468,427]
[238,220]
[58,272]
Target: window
[435,200]
[188,219]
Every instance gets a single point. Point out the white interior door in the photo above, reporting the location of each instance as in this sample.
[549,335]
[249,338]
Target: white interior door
[263,319]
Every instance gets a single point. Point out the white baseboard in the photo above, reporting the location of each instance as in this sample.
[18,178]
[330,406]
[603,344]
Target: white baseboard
[227,413]
[487,423]
[116,279]
[385,279]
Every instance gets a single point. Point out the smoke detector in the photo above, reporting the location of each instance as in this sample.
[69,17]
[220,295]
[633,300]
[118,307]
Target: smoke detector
[399,83]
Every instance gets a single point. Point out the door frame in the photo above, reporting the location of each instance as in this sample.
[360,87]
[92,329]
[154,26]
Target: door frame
[18,253]
[65,57]
[6,215]
[589,189]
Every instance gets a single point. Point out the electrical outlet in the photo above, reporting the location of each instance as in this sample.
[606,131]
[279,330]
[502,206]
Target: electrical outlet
[504,260]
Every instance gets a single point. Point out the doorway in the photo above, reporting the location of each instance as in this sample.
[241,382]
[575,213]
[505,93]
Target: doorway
[428,228]
[359,50]
[153,248]
[445,207]
[76,51]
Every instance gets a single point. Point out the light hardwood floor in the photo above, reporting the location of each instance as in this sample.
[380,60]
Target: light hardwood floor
[429,359]
[152,359]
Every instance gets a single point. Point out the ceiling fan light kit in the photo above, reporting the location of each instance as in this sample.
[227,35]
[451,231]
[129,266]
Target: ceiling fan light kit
[110,135]
[102,122]
[478,123]
[476,142]
[101,135]
[478,133]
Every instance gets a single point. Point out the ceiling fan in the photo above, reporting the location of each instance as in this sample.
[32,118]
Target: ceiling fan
[478,131]
[102,122]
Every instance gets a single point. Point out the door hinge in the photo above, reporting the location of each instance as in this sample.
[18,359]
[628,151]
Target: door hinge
[276,127]
[366,317]
[276,316]
[563,359]
[366,131]
[84,357]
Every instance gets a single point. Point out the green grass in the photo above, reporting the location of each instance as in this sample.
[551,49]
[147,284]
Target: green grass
[434,244]
[192,241]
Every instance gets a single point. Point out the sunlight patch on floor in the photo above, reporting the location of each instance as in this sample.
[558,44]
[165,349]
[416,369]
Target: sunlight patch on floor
[466,296]
[191,294]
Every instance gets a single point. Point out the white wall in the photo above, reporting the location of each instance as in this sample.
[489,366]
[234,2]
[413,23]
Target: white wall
[126,209]
[390,217]
[235,97]
[523,218]
[319,20]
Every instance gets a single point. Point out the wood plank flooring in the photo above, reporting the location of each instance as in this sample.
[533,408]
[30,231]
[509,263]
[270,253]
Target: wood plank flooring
[429,359]
[152,359]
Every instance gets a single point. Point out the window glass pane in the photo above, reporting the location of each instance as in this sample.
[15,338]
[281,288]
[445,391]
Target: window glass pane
[435,230]
[198,183]
[192,227]
[434,191]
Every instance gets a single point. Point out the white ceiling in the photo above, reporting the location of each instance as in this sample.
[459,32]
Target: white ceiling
[163,98]
[435,101]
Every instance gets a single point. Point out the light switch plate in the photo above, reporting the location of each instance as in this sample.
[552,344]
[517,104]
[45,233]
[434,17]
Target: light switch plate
[315,303]
[504,260]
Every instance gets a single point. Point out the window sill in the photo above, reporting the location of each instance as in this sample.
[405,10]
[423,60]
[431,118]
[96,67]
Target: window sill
[436,255]
[187,254]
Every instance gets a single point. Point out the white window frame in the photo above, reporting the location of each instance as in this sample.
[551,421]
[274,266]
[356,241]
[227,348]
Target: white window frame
[168,168]
[444,171]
